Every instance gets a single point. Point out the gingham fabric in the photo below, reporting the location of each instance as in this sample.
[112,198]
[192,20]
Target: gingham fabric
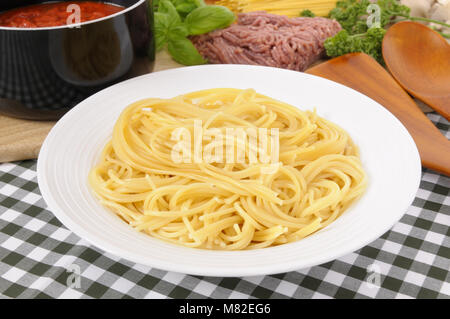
[40,258]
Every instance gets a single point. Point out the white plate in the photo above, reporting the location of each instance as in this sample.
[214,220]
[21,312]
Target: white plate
[388,153]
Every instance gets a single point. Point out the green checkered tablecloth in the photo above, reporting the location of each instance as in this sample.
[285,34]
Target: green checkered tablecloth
[39,257]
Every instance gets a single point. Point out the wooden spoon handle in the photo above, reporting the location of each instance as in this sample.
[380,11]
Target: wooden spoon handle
[362,73]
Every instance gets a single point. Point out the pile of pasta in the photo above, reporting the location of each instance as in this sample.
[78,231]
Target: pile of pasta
[290,8]
[230,205]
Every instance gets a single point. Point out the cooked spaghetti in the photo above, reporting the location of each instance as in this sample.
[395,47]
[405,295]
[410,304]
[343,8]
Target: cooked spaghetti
[241,202]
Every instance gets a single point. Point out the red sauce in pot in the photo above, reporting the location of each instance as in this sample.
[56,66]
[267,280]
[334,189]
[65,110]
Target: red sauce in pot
[55,14]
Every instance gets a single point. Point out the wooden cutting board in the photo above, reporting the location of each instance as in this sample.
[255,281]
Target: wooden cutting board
[22,139]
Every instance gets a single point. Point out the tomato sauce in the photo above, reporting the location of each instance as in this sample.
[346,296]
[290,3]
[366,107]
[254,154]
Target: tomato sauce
[55,14]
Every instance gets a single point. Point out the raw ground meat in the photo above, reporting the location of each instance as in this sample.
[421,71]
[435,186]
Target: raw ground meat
[260,38]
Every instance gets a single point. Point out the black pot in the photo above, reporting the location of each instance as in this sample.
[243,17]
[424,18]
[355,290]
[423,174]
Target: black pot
[46,71]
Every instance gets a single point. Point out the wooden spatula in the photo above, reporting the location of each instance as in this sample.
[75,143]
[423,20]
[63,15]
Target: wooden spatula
[362,73]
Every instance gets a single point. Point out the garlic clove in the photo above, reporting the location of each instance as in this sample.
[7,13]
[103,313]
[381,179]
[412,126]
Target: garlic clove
[419,8]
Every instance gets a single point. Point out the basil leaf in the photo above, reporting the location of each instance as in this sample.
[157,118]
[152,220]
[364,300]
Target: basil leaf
[178,29]
[183,51]
[167,21]
[165,27]
[186,8]
[178,2]
[208,18]
[200,3]
[167,7]
[162,26]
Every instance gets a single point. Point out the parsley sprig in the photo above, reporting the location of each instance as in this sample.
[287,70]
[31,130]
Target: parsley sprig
[356,36]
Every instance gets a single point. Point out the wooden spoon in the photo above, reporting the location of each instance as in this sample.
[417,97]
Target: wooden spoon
[419,59]
[362,73]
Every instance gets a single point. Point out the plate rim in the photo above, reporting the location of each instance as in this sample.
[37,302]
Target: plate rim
[98,242]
